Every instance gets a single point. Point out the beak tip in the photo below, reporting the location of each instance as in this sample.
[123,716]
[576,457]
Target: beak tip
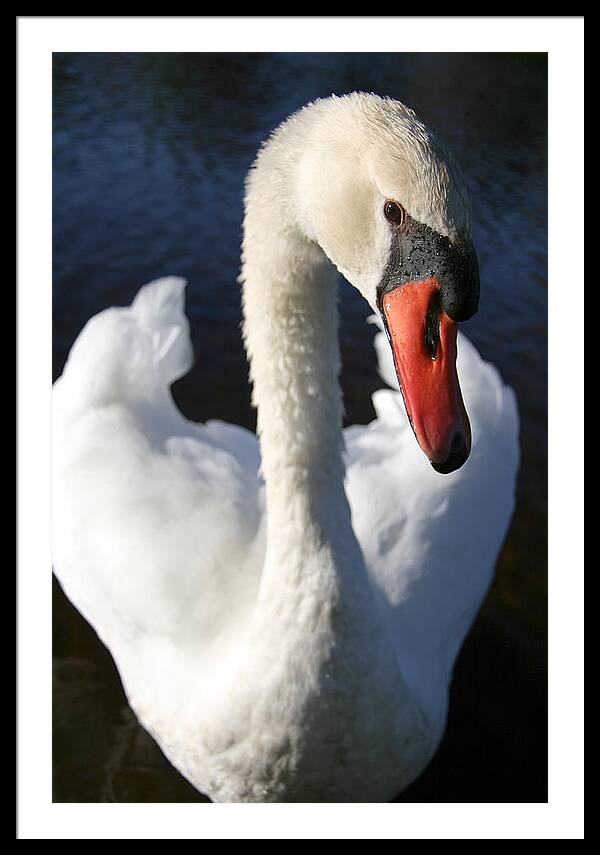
[459,454]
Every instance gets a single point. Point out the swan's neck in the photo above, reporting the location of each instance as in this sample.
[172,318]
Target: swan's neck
[292,338]
[291,335]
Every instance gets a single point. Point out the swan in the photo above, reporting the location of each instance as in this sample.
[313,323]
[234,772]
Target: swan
[285,609]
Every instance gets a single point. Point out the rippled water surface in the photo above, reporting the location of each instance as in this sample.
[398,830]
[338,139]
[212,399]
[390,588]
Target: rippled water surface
[150,154]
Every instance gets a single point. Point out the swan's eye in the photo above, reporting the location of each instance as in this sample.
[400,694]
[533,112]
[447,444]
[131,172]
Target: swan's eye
[394,213]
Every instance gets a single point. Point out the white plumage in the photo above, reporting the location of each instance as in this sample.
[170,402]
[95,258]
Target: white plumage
[285,626]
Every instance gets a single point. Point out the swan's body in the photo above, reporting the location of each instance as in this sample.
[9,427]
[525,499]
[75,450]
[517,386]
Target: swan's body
[285,619]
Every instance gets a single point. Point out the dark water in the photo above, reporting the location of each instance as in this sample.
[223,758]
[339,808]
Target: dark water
[150,154]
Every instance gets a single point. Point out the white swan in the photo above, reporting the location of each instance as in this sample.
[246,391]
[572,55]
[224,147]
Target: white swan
[285,626]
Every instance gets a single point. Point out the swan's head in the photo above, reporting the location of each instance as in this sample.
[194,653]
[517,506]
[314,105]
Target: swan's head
[388,206]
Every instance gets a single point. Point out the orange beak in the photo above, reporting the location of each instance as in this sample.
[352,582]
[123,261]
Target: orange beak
[423,340]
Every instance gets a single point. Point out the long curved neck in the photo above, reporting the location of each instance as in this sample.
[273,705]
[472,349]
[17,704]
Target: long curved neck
[291,336]
[290,329]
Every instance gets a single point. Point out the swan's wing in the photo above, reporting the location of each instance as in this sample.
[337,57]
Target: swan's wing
[430,541]
[157,522]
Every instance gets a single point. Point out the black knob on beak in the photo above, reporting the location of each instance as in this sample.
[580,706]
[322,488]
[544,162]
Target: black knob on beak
[460,282]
